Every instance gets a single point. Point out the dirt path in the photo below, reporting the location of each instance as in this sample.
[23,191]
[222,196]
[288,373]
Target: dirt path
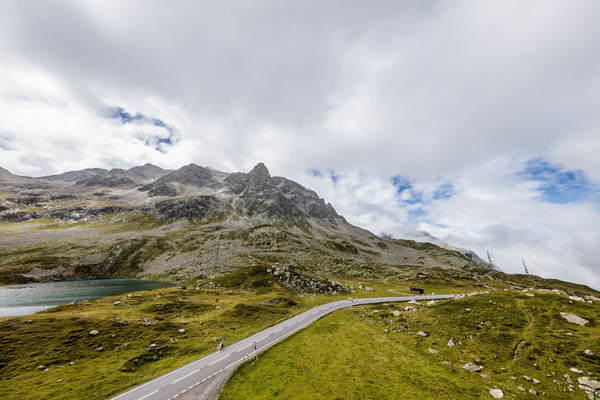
[522,342]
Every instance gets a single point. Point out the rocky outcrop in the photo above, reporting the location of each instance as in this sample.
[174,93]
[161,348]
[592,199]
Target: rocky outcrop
[575,319]
[189,175]
[199,208]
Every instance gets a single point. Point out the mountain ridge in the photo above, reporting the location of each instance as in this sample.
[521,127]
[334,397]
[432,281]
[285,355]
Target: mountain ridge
[193,221]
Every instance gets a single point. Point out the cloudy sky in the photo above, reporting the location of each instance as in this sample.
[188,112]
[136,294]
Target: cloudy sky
[476,121]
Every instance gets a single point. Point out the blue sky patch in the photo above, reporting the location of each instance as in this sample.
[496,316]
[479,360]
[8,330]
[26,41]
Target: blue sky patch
[444,192]
[157,141]
[401,184]
[557,185]
[416,213]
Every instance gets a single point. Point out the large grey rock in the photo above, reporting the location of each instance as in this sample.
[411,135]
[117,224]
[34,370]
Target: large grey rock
[588,352]
[497,393]
[94,332]
[472,367]
[452,342]
[575,319]
[591,383]
[423,333]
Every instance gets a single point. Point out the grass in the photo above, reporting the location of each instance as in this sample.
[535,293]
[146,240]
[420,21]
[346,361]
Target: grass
[345,355]
[369,353]
[140,339]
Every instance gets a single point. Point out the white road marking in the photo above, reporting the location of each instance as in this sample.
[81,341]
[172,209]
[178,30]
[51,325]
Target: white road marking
[149,394]
[220,359]
[182,378]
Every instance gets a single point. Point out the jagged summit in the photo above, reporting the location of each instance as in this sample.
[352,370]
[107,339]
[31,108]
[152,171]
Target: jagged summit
[259,173]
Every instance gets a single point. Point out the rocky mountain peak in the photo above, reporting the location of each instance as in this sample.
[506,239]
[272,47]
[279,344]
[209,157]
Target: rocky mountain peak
[259,173]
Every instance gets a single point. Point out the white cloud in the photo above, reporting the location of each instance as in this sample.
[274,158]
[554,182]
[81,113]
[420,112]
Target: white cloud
[460,93]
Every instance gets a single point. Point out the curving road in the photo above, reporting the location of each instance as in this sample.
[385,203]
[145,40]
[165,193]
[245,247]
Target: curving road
[177,382]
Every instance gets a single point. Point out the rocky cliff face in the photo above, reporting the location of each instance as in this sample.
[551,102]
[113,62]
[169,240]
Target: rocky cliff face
[194,221]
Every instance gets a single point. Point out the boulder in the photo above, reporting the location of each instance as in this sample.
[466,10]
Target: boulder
[181,330]
[99,348]
[423,333]
[591,383]
[117,303]
[576,371]
[396,313]
[497,393]
[94,332]
[588,352]
[433,351]
[431,303]
[575,319]
[472,367]
[452,342]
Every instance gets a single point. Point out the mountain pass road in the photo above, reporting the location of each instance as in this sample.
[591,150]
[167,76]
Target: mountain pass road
[177,382]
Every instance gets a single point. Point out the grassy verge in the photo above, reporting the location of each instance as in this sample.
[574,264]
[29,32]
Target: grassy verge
[375,352]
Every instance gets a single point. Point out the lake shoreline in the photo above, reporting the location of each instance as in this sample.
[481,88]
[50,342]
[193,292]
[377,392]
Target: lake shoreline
[29,298]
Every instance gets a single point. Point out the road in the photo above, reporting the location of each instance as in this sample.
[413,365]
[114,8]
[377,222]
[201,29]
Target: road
[177,382]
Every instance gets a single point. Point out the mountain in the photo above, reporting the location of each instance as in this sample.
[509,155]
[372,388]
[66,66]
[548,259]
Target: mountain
[191,223]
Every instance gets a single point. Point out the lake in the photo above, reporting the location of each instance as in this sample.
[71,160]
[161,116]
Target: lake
[33,297]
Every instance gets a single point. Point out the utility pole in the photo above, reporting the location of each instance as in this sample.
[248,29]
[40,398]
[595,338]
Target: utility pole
[525,267]
[490,260]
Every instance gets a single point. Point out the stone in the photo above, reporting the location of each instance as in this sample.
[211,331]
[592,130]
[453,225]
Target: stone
[521,388]
[94,332]
[42,367]
[431,303]
[396,313]
[100,348]
[591,383]
[527,378]
[575,319]
[181,330]
[533,392]
[588,352]
[472,367]
[433,351]
[484,376]
[497,393]
[413,301]
[536,381]
[577,371]
[117,303]
[423,333]
[452,342]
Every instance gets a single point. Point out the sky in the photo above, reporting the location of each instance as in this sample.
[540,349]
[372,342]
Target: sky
[475,121]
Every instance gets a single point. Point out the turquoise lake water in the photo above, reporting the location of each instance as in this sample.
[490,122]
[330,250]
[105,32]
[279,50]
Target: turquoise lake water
[30,298]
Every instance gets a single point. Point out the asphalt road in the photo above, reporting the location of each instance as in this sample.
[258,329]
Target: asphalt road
[178,381]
